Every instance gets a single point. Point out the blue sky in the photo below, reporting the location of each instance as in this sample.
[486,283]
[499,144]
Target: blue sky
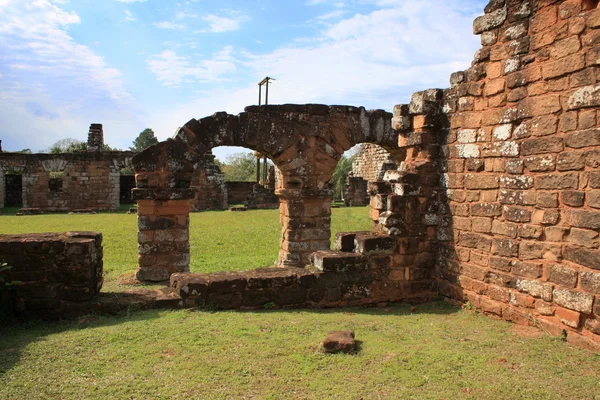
[132,64]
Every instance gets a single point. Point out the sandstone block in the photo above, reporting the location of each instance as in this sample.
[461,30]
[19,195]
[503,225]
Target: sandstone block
[590,282]
[339,341]
[573,300]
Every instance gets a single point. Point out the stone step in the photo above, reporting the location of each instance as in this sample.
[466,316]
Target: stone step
[334,261]
[374,244]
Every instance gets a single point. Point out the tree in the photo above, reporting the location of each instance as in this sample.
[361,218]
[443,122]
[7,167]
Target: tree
[145,139]
[239,167]
[67,145]
[338,179]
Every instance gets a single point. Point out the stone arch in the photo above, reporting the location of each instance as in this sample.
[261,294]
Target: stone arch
[305,142]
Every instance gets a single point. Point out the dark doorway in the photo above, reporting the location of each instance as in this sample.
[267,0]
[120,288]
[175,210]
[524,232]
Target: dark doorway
[14,190]
[127,183]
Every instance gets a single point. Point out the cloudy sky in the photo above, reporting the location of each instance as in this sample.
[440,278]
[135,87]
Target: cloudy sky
[132,64]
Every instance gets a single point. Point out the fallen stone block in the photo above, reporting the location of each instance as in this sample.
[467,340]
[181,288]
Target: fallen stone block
[339,341]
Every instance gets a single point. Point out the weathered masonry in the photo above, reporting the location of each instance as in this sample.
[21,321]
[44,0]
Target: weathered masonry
[304,142]
[89,180]
[495,199]
[497,188]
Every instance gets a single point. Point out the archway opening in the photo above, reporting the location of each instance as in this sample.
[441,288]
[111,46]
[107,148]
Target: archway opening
[238,227]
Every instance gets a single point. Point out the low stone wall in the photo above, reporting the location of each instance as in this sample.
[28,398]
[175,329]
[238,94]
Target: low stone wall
[237,192]
[360,271]
[52,272]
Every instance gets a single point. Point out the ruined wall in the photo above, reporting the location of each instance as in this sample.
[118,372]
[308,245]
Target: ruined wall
[208,184]
[62,182]
[355,191]
[520,230]
[371,162]
[55,271]
[237,192]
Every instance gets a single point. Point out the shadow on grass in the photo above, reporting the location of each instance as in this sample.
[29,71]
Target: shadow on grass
[16,336]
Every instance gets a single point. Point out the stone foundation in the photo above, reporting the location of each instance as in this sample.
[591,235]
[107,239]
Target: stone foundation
[52,273]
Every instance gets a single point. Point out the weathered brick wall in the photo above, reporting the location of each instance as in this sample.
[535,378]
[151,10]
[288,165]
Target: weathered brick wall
[371,162]
[355,191]
[237,192]
[53,272]
[62,182]
[522,169]
[208,184]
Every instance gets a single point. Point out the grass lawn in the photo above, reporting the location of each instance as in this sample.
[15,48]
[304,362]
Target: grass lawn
[220,240]
[435,352]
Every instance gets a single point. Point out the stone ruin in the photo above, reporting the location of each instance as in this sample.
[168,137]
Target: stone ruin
[495,200]
[98,180]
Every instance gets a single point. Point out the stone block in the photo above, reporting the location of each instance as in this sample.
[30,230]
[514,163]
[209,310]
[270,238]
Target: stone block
[331,261]
[527,269]
[374,244]
[584,237]
[573,300]
[536,288]
[590,281]
[583,218]
[569,317]
[579,255]
[339,341]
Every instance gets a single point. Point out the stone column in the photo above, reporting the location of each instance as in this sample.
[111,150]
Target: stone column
[306,225]
[96,138]
[163,239]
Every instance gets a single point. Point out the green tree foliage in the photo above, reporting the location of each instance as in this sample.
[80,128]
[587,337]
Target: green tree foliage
[145,139]
[239,167]
[67,145]
[24,151]
[338,179]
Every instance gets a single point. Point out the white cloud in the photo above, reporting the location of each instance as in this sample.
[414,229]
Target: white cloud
[335,3]
[129,16]
[49,81]
[131,1]
[169,25]
[376,60]
[172,70]
[219,24]
[331,15]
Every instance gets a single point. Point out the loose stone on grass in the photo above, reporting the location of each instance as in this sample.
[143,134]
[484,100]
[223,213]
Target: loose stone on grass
[339,342]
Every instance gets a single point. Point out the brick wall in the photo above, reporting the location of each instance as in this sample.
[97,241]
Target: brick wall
[54,271]
[237,192]
[520,230]
[62,182]
[371,162]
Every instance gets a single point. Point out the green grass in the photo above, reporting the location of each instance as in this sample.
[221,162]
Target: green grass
[438,352]
[220,240]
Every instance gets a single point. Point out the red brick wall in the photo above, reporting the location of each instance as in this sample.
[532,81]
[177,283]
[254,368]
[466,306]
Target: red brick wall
[522,169]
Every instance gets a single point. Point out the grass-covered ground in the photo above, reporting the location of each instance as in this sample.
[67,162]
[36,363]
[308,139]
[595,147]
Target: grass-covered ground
[220,240]
[437,352]
[434,352]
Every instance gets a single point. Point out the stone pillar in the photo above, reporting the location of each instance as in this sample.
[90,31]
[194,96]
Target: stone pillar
[306,225]
[95,138]
[2,188]
[163,239]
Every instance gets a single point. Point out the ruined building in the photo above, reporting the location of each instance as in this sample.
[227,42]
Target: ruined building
[90,180]
[495,200]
